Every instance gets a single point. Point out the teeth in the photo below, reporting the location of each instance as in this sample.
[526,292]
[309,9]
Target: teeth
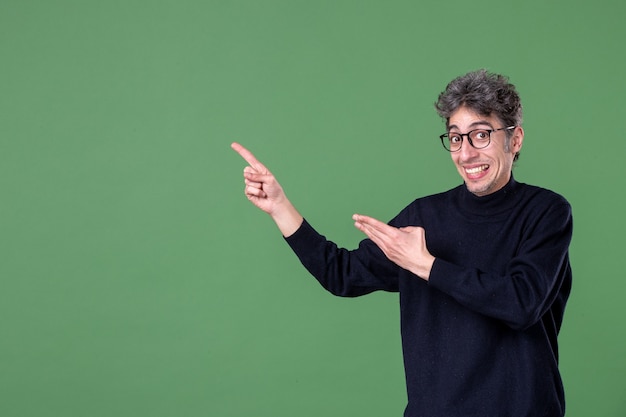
[476,170]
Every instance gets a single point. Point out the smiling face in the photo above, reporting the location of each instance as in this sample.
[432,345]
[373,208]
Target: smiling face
[486,170]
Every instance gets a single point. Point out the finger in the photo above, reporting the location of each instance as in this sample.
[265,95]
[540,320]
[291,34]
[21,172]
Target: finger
[374,237]
[373,224]
[370,234]
[251,191]
[257,177]
[253,184]
[374,234]
[368,220]
[249,157]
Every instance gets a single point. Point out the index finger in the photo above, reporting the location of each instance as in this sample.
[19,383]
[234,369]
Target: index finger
[248,156]
[371,222]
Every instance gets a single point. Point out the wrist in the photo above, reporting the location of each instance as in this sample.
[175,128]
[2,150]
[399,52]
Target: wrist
[287,218]
[424,268]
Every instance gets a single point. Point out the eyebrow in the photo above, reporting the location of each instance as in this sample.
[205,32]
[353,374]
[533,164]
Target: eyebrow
[473,125]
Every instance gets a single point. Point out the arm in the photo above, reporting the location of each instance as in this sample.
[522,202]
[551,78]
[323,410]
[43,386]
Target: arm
[265,192]
[535,281]
[342,272]
[346,273]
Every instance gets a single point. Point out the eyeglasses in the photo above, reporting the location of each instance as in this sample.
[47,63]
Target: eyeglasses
[478,138]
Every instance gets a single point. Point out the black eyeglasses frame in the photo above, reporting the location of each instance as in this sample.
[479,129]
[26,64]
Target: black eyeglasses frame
[489,132]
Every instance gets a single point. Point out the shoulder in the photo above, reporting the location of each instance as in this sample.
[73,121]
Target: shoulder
[541,197]
[541,209]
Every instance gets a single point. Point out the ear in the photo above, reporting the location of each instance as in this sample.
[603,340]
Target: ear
[517,139]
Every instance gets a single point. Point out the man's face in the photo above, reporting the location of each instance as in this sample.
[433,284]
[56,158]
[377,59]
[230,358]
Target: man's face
[486,170]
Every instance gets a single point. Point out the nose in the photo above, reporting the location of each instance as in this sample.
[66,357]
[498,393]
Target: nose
[467,151]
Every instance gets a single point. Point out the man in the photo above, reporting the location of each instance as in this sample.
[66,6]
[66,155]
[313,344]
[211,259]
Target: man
[482,269]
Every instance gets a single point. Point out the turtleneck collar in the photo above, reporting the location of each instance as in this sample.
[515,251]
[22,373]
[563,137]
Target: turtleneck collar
[491,204]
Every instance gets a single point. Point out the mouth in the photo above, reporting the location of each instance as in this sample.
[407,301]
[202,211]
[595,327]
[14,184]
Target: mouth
[476,170]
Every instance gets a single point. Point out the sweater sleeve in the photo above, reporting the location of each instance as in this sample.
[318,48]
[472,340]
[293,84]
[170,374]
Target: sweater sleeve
[346,273]
[537,277]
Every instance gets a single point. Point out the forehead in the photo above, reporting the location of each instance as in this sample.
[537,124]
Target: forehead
[465,118]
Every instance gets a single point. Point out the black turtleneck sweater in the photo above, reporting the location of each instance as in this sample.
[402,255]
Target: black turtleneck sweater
[480,337]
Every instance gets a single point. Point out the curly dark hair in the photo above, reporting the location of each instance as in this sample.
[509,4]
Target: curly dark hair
[486,93]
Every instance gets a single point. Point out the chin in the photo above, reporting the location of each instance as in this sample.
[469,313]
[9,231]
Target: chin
[480,189]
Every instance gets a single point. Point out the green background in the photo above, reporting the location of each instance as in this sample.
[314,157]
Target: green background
[135,278]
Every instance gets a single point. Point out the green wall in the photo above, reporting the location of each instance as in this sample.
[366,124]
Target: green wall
[135,278]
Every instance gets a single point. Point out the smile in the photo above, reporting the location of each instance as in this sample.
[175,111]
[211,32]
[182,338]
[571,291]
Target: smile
[476,170]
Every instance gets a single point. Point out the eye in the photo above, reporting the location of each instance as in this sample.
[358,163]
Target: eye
[455,138]
[481,135]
